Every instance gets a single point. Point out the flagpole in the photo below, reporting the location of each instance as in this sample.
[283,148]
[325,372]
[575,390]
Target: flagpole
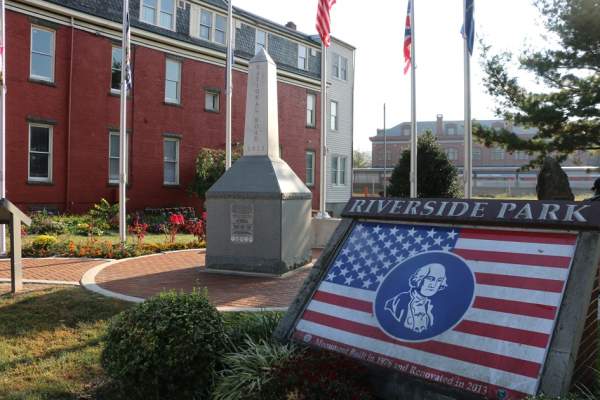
[229,84]
[468,136]
[123,126]
[384,155]
[413,107]
[323,176]
[3,121]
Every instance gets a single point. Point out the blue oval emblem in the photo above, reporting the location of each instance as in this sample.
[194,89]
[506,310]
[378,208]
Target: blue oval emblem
[424,296]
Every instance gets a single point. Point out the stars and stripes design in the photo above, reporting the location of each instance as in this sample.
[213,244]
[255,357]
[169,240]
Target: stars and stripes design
[498,348]
[324,21]
[408,38]
[128,79]
[468,29]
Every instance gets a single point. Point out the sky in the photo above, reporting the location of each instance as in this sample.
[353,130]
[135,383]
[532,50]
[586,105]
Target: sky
[376,29]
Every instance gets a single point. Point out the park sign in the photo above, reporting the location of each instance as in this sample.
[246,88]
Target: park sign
[461,298]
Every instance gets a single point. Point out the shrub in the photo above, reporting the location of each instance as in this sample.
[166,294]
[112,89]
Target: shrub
[44,224]
[105,215]
[44,242]
[248,371]
[210,165]
[166,347]
[437,177]
[318,375]
[258,327]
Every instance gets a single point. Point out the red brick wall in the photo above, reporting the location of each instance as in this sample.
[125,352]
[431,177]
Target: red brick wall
[94,111]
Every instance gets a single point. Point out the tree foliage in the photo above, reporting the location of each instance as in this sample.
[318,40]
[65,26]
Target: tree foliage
[436,176]
[210,165]
[361,159]
[567,112]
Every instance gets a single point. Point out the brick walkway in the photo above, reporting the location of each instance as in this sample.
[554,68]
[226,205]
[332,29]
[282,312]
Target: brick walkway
[144,277]
[55,269]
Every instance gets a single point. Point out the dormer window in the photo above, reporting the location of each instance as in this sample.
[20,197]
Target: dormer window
[158,12]
[212,27]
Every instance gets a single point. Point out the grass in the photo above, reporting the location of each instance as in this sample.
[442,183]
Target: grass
[50,343]
[114,237]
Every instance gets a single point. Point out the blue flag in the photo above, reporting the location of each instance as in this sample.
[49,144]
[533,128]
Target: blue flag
[469,32]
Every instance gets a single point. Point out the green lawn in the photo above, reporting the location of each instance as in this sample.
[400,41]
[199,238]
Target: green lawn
[50,343]
[114,237]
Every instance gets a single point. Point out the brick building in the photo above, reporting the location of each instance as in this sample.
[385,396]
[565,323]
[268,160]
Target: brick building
[63,72]
[450,135]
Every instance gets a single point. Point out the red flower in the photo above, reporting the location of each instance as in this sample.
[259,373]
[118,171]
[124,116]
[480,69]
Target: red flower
[176,219]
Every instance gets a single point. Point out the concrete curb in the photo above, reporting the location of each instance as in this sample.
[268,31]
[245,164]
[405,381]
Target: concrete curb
[43,282]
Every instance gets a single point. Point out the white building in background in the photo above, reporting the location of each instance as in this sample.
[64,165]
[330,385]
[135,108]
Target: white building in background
[340,124]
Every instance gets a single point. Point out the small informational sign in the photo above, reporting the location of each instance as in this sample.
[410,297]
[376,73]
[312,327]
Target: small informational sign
[475,297]
[242,223]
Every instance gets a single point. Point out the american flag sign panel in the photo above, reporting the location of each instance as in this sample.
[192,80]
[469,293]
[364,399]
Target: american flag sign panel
[473,309]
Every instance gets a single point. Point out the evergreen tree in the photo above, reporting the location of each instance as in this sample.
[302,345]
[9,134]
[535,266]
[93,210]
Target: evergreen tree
[567,113]
[436,176]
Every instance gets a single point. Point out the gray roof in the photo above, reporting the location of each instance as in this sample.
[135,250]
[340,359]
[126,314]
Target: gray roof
[423,126]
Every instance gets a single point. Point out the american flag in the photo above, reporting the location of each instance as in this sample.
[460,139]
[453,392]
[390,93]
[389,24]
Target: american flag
[128,79]
[498,347]
[408,38]
[324,21]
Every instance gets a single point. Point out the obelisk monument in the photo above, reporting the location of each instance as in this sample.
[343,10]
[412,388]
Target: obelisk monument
[259,211]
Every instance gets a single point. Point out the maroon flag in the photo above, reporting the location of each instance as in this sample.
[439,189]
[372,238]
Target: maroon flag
[324,20]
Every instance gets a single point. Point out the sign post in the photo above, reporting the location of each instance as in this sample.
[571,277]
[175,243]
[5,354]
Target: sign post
[458,298]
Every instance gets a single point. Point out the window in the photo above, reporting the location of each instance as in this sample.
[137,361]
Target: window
[302,57]
[333,125]
[338,170]
[173,81]
[42,54]
[310,168]
[40,153]
[220,29]
[116,64]
[159,12]
[211,100]
[497,154]
[171,161]
[206,18]
[213,27]
[260,40]
[113,157]
[451,130]
[340,67]
[311,115]
[477,154]
[521,155]
[452,154]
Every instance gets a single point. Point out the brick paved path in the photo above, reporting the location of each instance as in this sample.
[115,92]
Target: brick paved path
[143,277]
[55,269]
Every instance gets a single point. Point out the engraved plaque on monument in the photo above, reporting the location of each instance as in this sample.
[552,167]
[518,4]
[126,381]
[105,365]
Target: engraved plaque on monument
[259,210]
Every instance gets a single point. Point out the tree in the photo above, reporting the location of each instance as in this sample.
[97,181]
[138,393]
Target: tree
[436,176]
[361,159]
[210,165]
[567,113]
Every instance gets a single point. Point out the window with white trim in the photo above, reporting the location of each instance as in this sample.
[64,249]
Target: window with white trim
[338,170]
[171,161]
[159,12]
[213,27]
[115,66]
[302,57]
[340,67]
[333,122]
[452,154]
[477,154]
[260,40]
[497,154]
[172,81]
[211,100]
[42,54]
[310,168]
[114,146]
[521,155]
[40,153]
[311,113]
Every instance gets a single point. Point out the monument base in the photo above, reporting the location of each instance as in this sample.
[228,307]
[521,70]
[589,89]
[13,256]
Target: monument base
[249,266]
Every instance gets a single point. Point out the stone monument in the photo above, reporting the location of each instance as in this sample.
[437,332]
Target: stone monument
[553,182]
[259,210]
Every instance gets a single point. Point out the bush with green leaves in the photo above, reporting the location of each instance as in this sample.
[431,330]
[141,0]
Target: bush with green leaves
[247,372]
[436,176]
[210,165]
[44,224]
[256,327]
[105,215]
[167,347]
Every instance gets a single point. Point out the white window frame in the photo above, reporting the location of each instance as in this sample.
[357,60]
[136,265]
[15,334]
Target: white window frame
[52,56]
[110,135]
[498,154]
[339,170]
[257,44]
[304,65]
[313,112]
[454,152]
[310,178]
[113,90]
[334,124]
[479,153]
[50,155]
[176,161]
[213,26]
[521,155]
[338,64]
[158,11]
[178,99]
[216,94]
